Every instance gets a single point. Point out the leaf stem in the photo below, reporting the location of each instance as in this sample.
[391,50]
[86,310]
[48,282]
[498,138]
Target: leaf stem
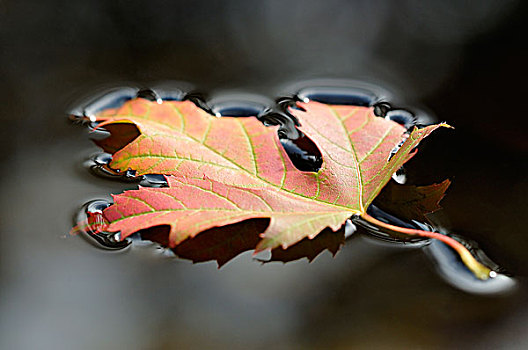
[479,270]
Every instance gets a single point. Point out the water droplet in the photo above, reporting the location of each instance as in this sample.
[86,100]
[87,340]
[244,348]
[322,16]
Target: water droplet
[90,219]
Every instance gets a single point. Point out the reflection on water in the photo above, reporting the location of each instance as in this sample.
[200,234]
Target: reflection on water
[339,95]
[98,165]
[109,98]
[451,268]
[238,104]
[446,261]
[89,221]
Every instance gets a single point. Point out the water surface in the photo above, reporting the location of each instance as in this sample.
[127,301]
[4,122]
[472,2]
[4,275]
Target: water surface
[59,292]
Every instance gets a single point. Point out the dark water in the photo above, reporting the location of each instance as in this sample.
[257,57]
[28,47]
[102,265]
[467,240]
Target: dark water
[456,63]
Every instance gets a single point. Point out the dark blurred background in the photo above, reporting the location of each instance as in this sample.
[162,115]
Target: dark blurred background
[462,62]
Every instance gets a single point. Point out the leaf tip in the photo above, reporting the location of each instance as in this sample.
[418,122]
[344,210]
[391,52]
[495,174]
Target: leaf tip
[76,229]
[445,125]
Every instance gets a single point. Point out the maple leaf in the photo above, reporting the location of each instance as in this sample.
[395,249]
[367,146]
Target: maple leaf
[232,169]
[226,171]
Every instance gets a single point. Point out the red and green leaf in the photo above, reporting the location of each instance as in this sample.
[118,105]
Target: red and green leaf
[227,171]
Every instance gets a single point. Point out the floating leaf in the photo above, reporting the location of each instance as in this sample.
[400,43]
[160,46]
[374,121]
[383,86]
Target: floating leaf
[226,171]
